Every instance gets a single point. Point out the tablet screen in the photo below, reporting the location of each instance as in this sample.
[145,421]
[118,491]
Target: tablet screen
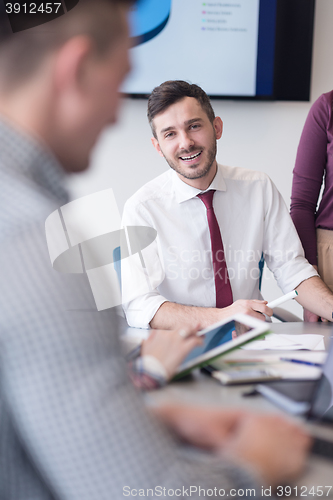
[218,336]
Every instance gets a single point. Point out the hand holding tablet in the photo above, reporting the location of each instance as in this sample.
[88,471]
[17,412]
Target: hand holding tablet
[221,338]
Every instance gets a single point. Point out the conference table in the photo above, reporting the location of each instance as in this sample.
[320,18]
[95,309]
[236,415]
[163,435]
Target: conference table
[201,389]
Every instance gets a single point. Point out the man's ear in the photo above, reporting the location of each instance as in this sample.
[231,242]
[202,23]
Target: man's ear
[157,146]
[218,127]
[72,61]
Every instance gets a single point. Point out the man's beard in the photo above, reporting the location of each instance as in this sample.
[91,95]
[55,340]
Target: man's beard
[197,173]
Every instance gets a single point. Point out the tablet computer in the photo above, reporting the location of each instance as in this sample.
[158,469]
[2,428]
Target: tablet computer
[222,337]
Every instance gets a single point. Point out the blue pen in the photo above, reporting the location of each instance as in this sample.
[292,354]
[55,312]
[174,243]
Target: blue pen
[301,362]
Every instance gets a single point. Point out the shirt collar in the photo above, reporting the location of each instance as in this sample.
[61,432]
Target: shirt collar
[185,192]
[26,156]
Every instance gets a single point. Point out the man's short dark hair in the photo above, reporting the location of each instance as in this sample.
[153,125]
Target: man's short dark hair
[22,53]
[172,91]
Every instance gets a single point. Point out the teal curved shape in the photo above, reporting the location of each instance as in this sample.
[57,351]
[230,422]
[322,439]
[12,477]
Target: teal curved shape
[148,18]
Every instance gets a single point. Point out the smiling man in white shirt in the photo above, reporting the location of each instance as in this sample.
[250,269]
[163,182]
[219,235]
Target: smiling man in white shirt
[191,276]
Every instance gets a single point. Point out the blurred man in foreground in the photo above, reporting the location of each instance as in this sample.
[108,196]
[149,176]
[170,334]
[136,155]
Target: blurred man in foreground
[72,424]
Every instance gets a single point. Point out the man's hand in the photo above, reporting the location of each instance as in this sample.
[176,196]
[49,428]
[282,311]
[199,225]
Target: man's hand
[171,347]
[255,308]
[203,427]
[314,295]
[274,446]
[310,317]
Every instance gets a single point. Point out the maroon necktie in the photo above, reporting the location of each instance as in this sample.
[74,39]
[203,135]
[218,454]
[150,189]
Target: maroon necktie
[222,282]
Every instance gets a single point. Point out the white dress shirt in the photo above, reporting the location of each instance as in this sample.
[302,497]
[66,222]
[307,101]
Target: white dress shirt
[253,220]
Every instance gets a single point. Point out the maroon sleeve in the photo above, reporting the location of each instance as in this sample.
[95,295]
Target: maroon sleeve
[308,175]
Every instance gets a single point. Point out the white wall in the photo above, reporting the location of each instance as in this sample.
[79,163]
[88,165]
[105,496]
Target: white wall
[257,135]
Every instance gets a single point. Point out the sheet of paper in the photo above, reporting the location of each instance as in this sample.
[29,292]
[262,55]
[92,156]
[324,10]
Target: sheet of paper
[276,341]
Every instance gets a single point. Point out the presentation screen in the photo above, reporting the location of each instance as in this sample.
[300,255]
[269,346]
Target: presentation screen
[231,48]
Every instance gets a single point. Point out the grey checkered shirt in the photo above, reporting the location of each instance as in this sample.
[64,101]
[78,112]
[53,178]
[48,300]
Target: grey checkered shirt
[72,426]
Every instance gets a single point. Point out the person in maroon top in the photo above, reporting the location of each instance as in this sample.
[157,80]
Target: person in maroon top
[314,170]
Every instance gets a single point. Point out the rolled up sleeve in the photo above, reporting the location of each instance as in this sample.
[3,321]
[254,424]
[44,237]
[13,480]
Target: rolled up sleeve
[283,250]
[141,274]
